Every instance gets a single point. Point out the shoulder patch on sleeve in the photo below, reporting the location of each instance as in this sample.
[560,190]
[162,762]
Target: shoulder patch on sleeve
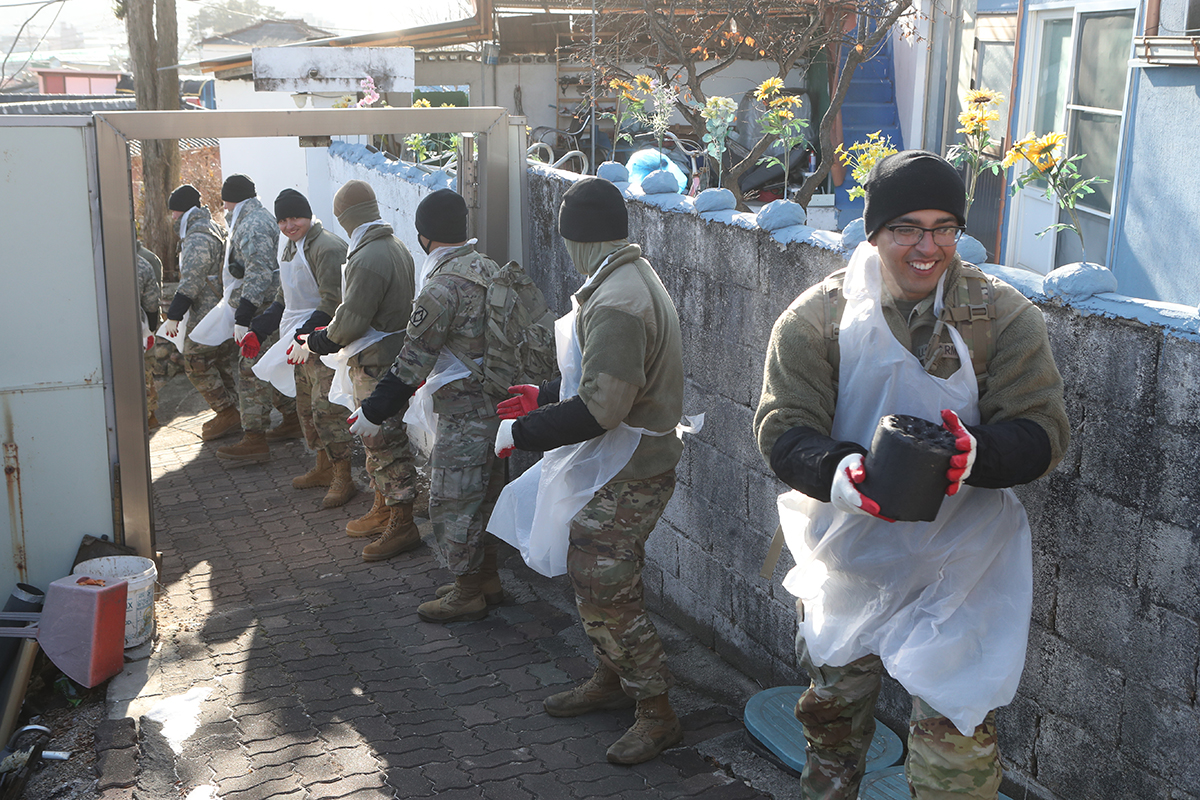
[428,310]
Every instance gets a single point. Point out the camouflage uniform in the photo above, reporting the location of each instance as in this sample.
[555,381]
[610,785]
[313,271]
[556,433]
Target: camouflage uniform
[465,475]
[389,453]
[604,559]
[253,252]
[149,298]
[201,254]
[838,715]
[323,422]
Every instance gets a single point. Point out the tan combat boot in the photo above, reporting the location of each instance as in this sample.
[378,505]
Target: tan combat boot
[252,449]
[464,601]
[656,728]
[152,422]
[373,522]
[320,475]
[400,536]
[288,428]
[341,487]
[489,579]
[224,423]
[601,692]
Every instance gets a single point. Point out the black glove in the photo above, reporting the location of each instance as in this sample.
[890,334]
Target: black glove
[179,306]
[387,399]
[548,392]
[555,425]
[319,319]
[1008,453]
[806,459]
[320,343]
[153,320]
[267,322]
[245,312]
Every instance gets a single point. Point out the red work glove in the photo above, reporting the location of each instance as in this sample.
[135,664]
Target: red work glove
[149,343]
[250,345]
[526,400]
[504,439]
[960,465]
[844,493]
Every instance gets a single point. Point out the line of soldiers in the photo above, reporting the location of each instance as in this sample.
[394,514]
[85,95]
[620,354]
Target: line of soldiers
[331,327]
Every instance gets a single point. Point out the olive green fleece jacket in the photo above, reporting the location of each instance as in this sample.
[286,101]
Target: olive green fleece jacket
[325,253]
[629,335]
[380,285]
[800,376]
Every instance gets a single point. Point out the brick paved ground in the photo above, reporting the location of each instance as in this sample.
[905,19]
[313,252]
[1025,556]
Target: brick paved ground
[314,678]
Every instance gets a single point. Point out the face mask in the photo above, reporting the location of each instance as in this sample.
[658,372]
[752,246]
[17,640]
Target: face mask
[425,243]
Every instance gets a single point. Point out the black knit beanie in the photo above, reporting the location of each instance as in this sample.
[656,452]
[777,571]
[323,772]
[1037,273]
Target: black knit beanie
[442,217]
[291,203]
[183,198]
[913,180]
[593,210]
[237,188]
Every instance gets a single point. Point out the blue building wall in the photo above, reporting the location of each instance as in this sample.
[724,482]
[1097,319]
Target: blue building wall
[1156,232]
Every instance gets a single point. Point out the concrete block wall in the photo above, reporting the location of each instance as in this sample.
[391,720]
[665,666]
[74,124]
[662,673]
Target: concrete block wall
[1107,705]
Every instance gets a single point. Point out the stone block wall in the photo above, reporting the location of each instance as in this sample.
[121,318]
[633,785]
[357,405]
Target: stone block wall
[1107,706]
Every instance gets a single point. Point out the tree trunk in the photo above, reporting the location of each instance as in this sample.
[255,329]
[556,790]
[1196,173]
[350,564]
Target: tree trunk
[153,43]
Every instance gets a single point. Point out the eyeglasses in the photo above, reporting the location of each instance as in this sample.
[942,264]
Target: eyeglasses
[910,235]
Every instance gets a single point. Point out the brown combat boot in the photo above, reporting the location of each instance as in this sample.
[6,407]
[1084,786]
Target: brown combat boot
[601,692]
[489,579]
[373,522]
[320,475]
[341,487]
[656,728]
[252,449]
[224,423]
[152,422]
[400,536]
[288,428]
[463,602]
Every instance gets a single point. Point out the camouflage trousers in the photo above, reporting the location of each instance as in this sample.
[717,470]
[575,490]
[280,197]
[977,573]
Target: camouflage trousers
[256,396]
[604,561]
[465,478]
[211,371]
[151,364]
[389,454]
[838,714]
[323,422]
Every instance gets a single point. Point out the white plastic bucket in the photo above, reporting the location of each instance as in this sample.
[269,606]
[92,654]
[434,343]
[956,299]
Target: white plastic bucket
[141,574]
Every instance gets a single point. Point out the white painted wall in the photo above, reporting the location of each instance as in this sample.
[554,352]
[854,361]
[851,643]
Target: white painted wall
[274,163]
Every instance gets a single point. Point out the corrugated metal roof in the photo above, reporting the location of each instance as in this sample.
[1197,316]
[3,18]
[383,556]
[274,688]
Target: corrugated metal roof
[85,106]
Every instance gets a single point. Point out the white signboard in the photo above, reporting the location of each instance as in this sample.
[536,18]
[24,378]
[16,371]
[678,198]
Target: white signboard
[332,69]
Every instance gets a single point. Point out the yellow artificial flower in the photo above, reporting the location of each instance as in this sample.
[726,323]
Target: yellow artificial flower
[768,88]
[787,100]
[422,103]
[624,86]
[984,97]
[975,121]
[644,82]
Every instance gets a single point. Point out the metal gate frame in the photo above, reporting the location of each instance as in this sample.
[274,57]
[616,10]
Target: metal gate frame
[502,192]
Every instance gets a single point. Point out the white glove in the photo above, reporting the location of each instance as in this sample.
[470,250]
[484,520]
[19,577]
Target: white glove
[504,438]
[362,426]
[297,354]
[239,333]
[171,329]
[844,493]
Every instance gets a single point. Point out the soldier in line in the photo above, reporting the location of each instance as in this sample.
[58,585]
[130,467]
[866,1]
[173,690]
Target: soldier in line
[628,370]
[450,317]
[310,288]
[149,297]
[366,333]
[252,258]
[209,368]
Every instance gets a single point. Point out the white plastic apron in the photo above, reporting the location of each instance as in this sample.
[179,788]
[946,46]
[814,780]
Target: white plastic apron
[217,325]
[420,417]
[944,604]
[180,338]
[301,296]
[341,390]
[534,512]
